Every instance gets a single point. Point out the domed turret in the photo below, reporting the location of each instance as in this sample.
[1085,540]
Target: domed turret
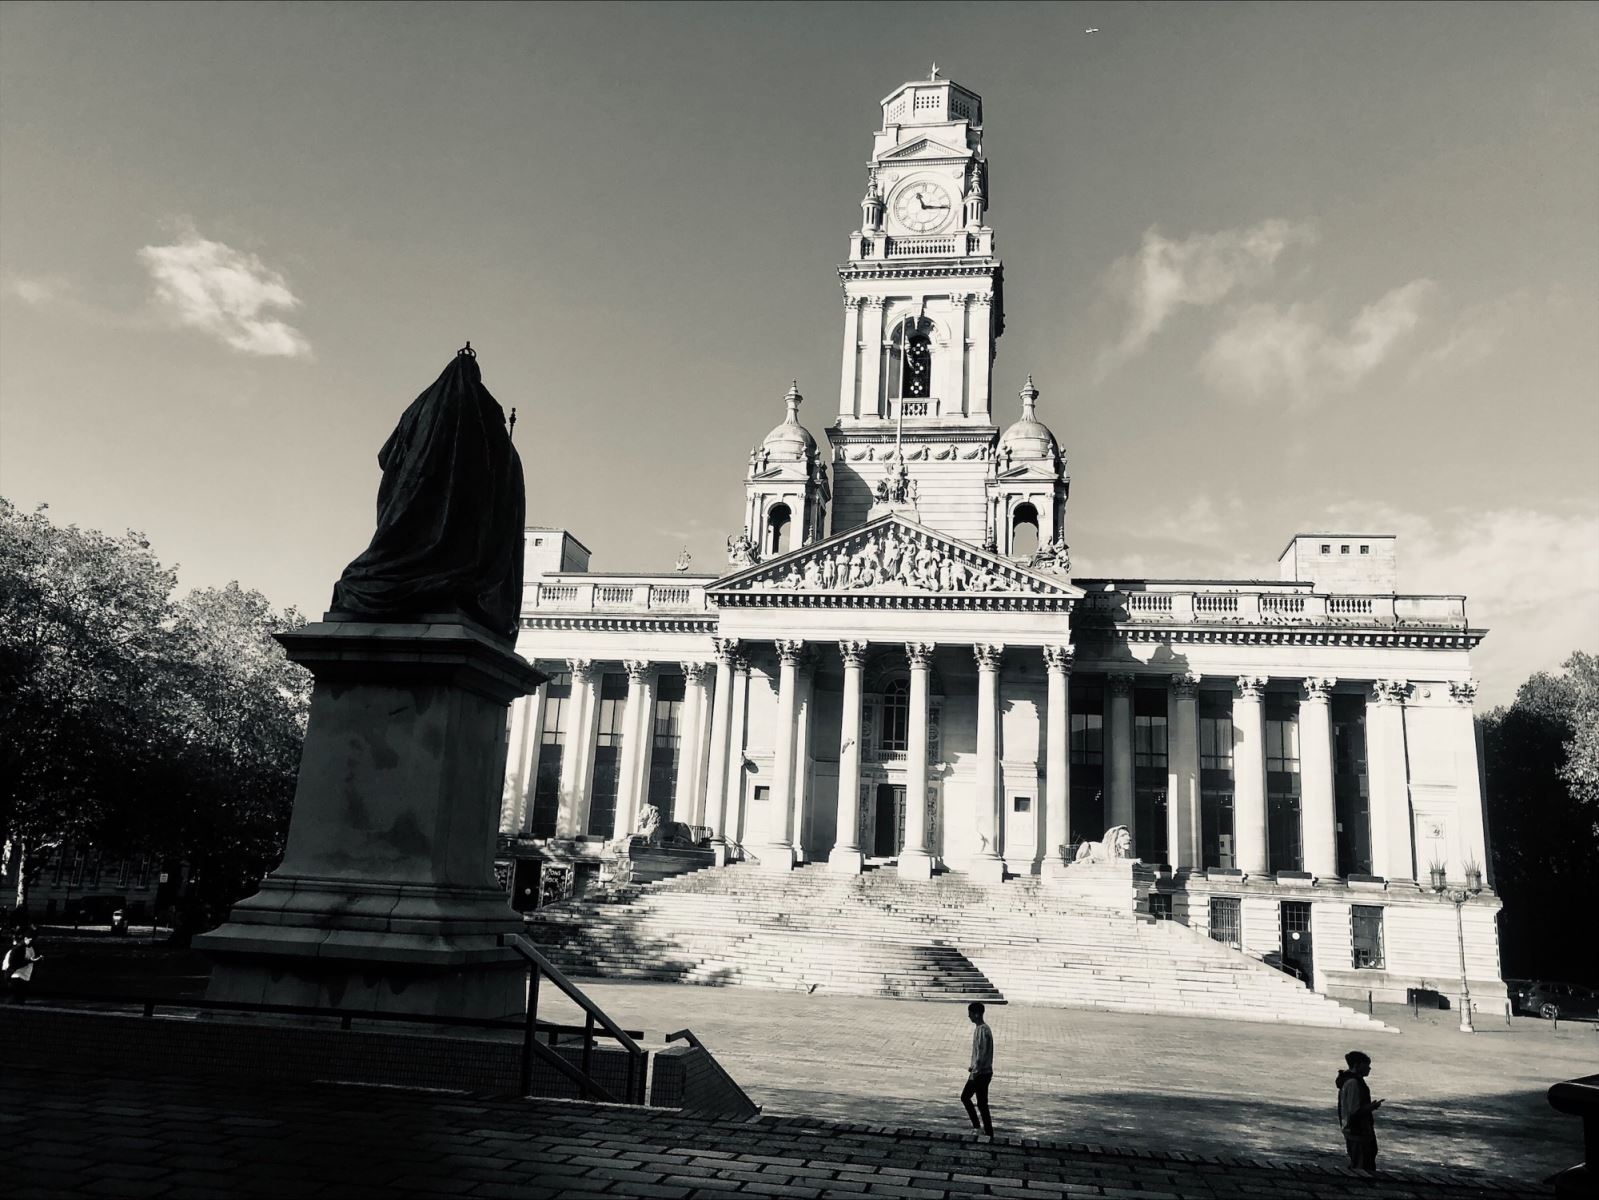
[1029,438]
[790,441]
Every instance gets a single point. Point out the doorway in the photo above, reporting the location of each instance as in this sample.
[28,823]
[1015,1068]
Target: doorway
[1296,945]
[888,821]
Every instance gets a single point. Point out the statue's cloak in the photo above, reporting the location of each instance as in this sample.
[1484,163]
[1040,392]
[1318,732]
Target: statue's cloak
[450,513]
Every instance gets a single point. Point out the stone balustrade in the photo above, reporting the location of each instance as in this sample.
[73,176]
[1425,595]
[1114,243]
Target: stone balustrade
[630,595]
[1263,606]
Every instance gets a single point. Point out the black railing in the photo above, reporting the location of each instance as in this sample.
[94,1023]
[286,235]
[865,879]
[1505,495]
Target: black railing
[596,1024]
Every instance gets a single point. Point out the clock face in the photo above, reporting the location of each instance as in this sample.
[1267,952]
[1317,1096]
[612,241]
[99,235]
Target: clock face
[922,207]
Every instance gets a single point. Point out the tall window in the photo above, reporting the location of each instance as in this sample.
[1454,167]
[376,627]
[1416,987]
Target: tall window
[1284,827]
[552,749]
[1351,795]
[1088,761]
[1024,530]
[1216,778]
[779,526]
[910,375]
[607,754]
[666,753]
[1365,936]
[1226,921]
[896,716]
[1149,773]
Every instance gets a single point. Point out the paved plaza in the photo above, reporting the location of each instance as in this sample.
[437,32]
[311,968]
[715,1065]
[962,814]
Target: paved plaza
[1151,1083]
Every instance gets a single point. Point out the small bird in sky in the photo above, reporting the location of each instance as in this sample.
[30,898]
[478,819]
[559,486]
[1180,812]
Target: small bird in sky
[1095,29]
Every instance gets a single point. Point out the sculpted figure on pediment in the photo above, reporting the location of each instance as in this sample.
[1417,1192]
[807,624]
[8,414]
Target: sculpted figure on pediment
[741,549]
[812,576]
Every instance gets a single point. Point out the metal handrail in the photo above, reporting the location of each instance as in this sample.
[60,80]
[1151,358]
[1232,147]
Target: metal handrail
[539,966]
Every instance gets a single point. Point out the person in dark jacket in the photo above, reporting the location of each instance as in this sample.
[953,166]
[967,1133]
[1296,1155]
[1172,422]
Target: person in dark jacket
[1357,1110]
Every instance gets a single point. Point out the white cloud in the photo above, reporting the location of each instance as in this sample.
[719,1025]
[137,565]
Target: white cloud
[1200,270]
[39,292]
[225,292]
[1270,351]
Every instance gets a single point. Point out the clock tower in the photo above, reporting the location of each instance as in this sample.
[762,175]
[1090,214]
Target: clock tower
[922,311]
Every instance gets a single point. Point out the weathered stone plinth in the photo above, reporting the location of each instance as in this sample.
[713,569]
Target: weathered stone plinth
[386,899]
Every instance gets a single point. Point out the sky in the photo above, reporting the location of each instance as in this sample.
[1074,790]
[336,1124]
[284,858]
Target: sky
[1273,268]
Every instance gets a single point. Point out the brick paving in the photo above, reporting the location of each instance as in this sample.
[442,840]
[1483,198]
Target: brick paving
[66,1134]
[1149,1082]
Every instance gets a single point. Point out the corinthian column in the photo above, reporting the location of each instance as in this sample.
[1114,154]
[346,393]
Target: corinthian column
[716,768]
[1249,776]
[986,864]
[777,846]
[634,731]
[846,857]
[1392,854]
[1317,810]
[577,761]
[1182,810]
[1057,759]
[1468,782]
[1119,750]
[802,753]
[914,859]
[688,798]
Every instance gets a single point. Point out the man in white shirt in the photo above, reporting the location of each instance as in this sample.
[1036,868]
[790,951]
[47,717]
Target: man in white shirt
[981,1071]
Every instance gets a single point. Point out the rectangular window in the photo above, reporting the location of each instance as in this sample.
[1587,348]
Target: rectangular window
[1365,549]
[666,752]
[1087,817]
[1284,833]
[552,750]
[762,793]
[607,754]
[1149,819]
[1021,804]
[1216,827]
[1216,743]
[1088,739]
[1160,906]
[1365,930]
[1149,741]
[1226,921]
[1325,548]
[1343,549]
[1351,794]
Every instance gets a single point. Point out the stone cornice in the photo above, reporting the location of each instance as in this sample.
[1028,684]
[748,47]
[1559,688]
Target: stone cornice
[622,623]
[932,602]
[923,269]
[1276,635]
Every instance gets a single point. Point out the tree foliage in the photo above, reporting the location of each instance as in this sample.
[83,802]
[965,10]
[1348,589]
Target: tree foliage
[141,721]
[1542,759]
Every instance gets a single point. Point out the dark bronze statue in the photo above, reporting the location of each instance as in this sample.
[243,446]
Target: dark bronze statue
[450,512]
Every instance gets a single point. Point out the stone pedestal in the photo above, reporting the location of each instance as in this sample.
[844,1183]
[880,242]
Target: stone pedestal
[916,864]
[846,862]
[386,899]
[986,870]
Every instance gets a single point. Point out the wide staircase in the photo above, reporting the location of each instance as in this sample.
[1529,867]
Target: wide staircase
[948,938]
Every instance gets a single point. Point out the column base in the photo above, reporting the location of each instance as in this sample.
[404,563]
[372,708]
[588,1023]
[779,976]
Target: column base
[915,864]
[1054,868]
[846,862]
[722,851]
[776,858]
[986,870]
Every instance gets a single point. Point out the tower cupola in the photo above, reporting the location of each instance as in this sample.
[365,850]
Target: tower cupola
[786,489]
[1027,489]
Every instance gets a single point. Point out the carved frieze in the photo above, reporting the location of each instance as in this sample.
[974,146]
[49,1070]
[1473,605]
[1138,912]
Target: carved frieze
[896,558]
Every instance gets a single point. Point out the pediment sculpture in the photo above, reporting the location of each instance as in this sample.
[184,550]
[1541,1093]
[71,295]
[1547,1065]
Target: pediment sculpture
[741,550]
[893,558]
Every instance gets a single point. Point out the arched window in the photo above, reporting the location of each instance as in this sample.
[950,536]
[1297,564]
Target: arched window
[910,367]
[896,716]
[1024,531]
[779,522]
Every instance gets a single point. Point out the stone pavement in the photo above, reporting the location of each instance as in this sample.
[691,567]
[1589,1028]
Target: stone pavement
[1153,1083]
[68,1134]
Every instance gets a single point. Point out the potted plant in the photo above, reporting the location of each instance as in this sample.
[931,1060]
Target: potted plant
[1437,870]
[1473,875]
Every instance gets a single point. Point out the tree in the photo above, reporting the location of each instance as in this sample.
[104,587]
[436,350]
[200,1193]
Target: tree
[1543,819]
[139,722]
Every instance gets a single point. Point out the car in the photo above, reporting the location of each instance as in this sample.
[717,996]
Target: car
[1570,1001]
[1519,989]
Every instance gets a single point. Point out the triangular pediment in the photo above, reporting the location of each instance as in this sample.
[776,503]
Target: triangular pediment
[887,557]
[924,148]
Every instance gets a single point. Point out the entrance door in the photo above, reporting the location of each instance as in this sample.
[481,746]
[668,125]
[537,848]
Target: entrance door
[890,803]
[1296,938]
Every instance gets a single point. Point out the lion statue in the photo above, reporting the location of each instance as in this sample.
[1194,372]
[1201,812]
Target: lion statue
[1118,843]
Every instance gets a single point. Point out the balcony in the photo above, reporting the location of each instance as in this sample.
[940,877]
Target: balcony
[557,595]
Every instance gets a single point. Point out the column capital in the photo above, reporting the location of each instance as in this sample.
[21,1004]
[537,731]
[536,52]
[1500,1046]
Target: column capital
[920,654]
[1464,691]
[1184,686]
[638,670]
[875,301]
[695,672]
[791,651]
[1251,687]
[582,669]
[988,655]
[853,301]
[726,649]
[1119,685]
[1060,658]
[854,653]
[1390,691]
[1318,688]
